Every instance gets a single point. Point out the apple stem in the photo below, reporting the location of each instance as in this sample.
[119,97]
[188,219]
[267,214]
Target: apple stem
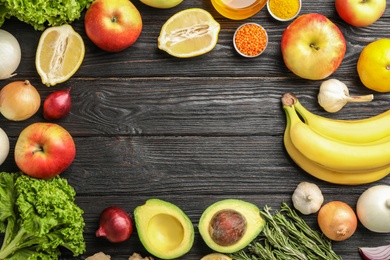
[38,149]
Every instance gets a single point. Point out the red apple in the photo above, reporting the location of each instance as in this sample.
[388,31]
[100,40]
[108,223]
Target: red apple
[113,25]
[360,12]
[313,46]
[44,150]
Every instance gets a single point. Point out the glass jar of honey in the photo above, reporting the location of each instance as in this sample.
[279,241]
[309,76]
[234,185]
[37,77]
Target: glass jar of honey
[238,9]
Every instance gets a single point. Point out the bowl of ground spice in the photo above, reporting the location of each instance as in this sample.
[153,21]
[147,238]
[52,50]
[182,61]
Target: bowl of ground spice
[250,40]
[284,10]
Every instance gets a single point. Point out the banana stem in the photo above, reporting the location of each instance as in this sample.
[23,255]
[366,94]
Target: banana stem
[289,99]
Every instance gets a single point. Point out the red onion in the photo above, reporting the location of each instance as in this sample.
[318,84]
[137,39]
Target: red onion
[57,105]
[115,225]
[375,253]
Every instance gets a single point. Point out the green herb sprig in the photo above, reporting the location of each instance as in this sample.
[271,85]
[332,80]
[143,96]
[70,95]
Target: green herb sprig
[287,236]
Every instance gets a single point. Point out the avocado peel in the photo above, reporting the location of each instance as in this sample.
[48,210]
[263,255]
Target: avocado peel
[164,229]
[229,225]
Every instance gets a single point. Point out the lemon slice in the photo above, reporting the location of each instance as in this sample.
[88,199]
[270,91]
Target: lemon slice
[189,33]
[59,54]
[216,256]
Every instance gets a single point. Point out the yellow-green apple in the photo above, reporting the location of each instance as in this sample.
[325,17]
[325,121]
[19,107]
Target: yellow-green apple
[313,47]
[360,13]
[113,25]
[44,150]
[4,146]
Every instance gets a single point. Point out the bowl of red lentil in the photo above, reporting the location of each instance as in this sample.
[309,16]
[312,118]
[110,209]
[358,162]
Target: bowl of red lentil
[284,10]
[250,40]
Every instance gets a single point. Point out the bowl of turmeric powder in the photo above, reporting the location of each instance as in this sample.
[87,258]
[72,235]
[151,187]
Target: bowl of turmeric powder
[250,40]
[284,10]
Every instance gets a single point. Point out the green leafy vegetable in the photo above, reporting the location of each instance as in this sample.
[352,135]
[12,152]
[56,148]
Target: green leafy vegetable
[42,13]
[38,216]
[287,236]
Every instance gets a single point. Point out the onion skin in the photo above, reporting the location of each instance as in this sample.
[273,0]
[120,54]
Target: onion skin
[19,100]
[337,220]
[10,54]
[115,225]
[373,208]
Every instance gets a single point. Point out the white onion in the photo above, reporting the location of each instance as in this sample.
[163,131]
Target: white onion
[4,146]
[373,208]
[10,54]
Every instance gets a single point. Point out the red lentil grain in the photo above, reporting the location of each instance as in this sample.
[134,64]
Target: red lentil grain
[250,39]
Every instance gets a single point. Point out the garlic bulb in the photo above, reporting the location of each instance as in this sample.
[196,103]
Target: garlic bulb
[307,198]
[334,95]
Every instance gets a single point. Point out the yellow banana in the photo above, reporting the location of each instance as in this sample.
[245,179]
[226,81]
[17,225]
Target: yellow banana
[356,131]
[328,175]
[335,154]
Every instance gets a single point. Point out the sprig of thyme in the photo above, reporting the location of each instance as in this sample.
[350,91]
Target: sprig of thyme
[287,236]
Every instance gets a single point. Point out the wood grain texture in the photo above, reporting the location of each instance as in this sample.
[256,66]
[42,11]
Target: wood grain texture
[192,131]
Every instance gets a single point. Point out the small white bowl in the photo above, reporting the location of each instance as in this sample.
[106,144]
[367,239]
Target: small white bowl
[234,40]
[282,19]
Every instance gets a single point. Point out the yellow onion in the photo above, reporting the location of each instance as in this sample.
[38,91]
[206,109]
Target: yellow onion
[19,100]
[337,220]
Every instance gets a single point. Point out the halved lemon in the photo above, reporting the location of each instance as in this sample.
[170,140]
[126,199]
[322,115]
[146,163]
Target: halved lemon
[216,256]
[189,33]
[59,54]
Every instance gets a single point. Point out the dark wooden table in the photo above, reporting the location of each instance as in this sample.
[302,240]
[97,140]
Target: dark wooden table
[192,131]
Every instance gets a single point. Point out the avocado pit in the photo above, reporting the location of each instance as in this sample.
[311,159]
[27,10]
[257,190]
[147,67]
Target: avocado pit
[227,227]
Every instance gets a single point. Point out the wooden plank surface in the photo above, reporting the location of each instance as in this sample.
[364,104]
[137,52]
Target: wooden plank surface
[192,131]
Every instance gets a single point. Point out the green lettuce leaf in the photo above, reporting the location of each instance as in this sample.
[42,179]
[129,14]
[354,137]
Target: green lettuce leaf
[39,216]
[43,13]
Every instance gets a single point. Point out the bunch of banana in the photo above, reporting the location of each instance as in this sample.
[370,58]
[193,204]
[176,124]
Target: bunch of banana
[348,152]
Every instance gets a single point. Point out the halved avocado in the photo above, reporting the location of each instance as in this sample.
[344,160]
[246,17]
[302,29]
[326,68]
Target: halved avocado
[230,225]
[164,229]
